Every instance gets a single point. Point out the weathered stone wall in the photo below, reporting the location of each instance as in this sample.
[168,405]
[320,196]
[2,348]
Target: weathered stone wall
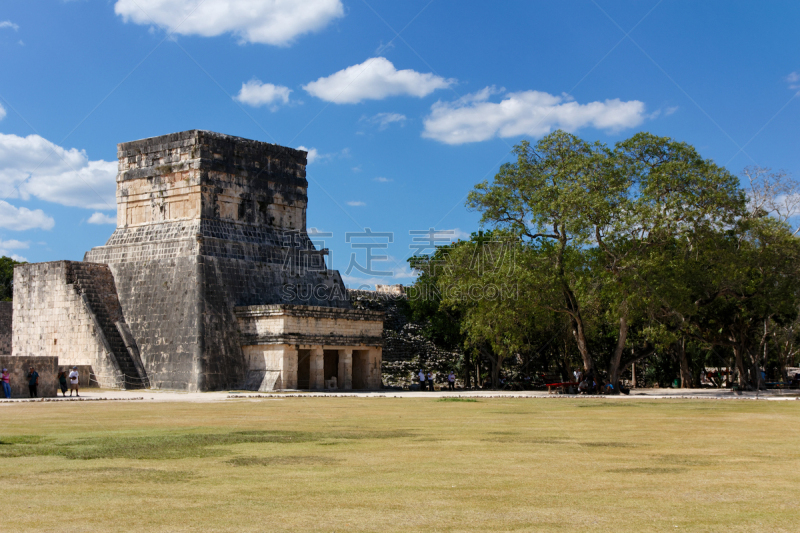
[6,315]
[51,319]
[18,367]
[405,349]
[309,325]
[267,366]
[205,223]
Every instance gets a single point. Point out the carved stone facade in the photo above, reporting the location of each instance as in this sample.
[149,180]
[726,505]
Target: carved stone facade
[210,247]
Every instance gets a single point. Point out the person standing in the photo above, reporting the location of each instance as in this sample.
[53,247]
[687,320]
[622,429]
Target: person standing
[33,382]
[73,381]
[451,381]
[421,380]
[6,378]
[430,381]
[62,382]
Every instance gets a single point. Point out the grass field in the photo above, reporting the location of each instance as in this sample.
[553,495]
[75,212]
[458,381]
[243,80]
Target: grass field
[400,464]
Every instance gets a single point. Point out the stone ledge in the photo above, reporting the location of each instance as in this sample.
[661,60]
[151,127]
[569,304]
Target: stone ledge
[310,339]
[307,311]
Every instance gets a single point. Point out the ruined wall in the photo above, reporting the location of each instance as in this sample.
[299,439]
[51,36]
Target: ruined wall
[405,348]
[18,367]
[6,314]
[51,319]
[205,223]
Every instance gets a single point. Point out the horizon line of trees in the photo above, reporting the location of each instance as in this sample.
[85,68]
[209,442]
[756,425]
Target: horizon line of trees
[599,257]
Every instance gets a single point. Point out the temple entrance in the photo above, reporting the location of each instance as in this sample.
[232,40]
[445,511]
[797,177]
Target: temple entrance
[360,369]
[303,369]
[331,366]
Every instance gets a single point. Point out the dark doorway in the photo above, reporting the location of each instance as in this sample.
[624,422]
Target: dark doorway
[303,369]
[360,369]
[331,365]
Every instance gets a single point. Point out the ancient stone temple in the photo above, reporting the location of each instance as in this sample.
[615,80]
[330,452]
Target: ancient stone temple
[209,282]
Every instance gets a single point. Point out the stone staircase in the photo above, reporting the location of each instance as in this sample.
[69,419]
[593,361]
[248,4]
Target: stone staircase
[96,283]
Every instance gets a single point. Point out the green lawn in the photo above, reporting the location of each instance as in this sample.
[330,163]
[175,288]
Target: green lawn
[392,464]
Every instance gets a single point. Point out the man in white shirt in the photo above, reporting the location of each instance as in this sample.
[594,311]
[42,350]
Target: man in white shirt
[421,380]
[430,381]
[451,380]
[73,381]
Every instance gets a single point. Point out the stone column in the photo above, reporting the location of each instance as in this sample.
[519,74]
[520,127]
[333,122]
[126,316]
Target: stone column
[289,368]
[345,374]
[374,359]
[316,374]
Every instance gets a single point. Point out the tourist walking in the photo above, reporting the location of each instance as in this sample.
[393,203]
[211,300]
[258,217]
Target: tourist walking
[451,381]
[421,380]
[6,385]
[33,383]
[430,381]
[73,381]
[62,382]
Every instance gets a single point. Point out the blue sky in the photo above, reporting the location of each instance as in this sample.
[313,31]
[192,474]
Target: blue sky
[404,106]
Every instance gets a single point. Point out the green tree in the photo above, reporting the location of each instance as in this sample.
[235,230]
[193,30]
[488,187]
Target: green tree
[600,217]
[7,277]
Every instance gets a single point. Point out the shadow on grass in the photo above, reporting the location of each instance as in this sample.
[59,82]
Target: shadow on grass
[648,470]
[167,446]
[609,444]
[283,460]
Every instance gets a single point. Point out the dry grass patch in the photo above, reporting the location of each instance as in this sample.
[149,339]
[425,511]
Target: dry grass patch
[331,464]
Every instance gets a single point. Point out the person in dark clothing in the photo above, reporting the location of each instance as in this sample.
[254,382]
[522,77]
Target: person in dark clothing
[62,382]
[33,383]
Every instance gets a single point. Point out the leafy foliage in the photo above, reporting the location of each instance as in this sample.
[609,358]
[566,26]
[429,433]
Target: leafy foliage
[600,257]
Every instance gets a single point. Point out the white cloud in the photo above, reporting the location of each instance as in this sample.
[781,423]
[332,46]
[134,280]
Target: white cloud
[455,234]
[276,22]
[381,179]
[34,166]
[256,94]
[13,244]
[23,218]
[356,203]
[9,24]
[670,110]
[384,120]
[374,79]
[101,218]
[312,154]
[2,112]
[793,78]
[474,118]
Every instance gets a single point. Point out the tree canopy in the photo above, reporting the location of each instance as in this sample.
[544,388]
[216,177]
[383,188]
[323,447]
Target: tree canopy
[640,250]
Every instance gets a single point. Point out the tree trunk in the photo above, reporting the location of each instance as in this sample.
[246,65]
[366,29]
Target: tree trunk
[580,339]
[496,374]
[567,365]
[495,363]
[613,371]
[574,309]
[686,373]
[737,354]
